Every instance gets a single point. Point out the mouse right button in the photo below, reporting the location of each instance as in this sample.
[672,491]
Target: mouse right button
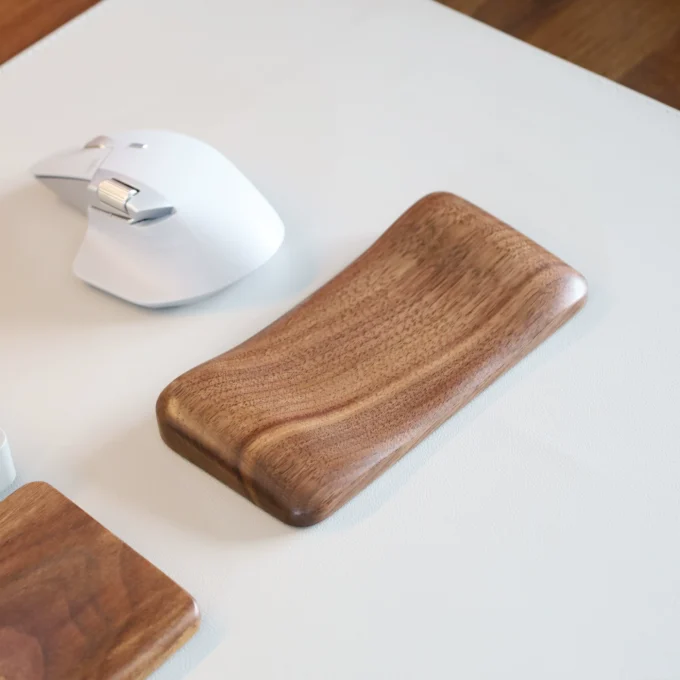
[146,205]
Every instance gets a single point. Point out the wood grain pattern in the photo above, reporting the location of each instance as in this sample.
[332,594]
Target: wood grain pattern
[76,603]
[634,42]
[23,22]
[306,413]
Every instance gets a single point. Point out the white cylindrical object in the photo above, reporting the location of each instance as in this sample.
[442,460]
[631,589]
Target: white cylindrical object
[7,471]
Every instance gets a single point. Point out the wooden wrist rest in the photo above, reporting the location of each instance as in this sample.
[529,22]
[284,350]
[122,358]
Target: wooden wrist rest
[76,603]
[303,415]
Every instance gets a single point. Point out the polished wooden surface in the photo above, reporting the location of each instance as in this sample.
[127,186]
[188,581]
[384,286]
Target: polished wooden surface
[302,416]
[76,603]
[634,42]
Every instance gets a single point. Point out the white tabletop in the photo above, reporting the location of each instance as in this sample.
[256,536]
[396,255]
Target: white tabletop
[536,533]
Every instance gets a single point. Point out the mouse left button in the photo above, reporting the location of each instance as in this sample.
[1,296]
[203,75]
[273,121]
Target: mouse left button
[80,164]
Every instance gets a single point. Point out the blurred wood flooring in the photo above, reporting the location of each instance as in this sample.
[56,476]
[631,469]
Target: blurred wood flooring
[634,42]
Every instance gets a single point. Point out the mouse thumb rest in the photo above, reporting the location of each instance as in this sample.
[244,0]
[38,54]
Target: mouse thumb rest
[121,258]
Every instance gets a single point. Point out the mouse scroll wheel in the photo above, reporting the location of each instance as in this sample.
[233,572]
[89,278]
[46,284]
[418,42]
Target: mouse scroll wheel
[124,200]
[115,194]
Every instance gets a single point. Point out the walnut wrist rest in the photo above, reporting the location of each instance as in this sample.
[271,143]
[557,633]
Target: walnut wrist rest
[303,415]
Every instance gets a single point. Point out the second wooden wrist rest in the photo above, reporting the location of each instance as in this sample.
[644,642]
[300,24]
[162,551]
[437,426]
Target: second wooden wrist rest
[76,603]
[303,415]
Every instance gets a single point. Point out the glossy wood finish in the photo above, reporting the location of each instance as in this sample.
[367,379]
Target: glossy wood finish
[635,42]
[76,603]
[306,413]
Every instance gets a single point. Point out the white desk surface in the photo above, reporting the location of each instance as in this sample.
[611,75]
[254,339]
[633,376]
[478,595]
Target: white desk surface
[536,534]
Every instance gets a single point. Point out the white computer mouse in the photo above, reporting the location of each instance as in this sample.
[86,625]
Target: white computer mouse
[170,219]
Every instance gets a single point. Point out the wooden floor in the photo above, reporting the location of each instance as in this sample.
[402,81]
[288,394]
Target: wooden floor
[635,42]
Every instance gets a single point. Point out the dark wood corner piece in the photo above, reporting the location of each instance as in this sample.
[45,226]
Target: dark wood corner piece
[76,603]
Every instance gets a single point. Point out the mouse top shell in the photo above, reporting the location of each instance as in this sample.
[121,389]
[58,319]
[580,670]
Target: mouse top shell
[170,219]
